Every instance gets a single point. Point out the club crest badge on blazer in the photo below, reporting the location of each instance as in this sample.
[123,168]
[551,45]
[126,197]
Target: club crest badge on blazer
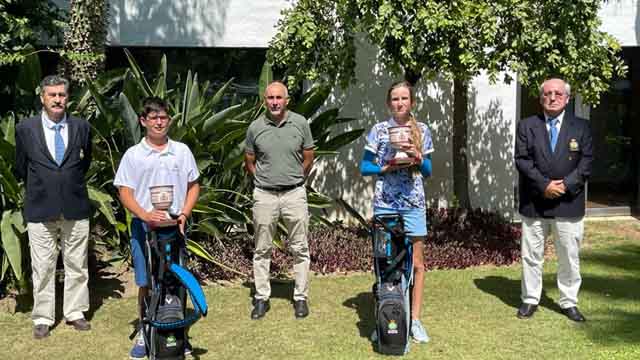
[573,145]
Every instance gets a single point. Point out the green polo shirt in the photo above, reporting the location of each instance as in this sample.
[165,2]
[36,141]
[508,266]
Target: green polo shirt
[278,149]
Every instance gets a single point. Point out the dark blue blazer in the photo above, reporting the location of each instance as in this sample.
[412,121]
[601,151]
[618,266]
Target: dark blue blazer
[537,166]
[53,190]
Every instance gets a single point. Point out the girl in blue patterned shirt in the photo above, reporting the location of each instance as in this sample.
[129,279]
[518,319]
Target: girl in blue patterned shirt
[399,188]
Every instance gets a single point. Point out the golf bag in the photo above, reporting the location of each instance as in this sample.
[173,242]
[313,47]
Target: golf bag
[393,267]
[165,315]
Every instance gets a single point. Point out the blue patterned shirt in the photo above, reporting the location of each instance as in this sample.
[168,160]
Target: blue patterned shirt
[402,189]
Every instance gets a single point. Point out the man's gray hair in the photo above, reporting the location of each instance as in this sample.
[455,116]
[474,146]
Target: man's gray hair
[567,87]
[54,80]
[278,82]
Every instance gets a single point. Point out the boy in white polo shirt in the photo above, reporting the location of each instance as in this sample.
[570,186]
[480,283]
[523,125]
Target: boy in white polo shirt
[155,160]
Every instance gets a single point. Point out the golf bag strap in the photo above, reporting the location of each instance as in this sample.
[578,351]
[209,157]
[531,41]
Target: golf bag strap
[193,288]
[195,294]
[394,262]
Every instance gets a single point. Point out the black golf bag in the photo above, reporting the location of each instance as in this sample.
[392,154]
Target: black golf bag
[165,315]
[393,267]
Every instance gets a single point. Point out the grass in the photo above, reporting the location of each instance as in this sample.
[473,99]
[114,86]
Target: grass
[469,314]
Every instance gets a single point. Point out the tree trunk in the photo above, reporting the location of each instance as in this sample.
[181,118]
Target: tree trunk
[84,40]
[460,154]
[412,76]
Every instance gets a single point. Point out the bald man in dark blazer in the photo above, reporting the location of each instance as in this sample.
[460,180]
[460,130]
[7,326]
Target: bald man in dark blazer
[553,156]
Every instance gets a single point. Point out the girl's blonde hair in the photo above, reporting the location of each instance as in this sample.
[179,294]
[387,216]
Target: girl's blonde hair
[416,134]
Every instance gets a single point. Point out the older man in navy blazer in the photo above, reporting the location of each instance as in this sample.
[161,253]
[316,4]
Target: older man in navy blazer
[53,154]
[553,155]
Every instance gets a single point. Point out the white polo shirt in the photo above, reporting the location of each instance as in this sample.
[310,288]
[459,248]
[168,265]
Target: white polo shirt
[143,166]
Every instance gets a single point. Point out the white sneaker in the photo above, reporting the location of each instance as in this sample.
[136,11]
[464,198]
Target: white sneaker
[139,350]
[418,332]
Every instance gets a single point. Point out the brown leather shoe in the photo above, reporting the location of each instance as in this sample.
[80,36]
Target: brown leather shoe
[40,331]
[80,324]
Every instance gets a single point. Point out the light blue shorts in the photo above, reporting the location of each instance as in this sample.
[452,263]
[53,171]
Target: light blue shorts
[415,219]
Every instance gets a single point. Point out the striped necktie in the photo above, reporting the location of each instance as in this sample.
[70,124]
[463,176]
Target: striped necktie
[58,143]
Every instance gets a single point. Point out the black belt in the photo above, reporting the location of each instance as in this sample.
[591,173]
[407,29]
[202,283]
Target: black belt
[280,188]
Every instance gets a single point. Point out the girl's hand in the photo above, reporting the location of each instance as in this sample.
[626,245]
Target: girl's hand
[390,168]
[411,150]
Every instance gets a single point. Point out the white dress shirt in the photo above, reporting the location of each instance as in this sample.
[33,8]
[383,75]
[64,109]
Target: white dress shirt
[558,125]
[50,133]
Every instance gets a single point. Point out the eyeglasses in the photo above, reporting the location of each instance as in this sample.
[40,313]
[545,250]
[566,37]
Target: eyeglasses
[158,118]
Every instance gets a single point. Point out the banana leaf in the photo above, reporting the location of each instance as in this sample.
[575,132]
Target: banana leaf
[311,101]
[103,202]
[11,243]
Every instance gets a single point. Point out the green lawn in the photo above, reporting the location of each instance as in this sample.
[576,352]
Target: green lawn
[469,314]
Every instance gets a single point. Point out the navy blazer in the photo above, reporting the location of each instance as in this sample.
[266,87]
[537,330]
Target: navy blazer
[53,190]
[537,166]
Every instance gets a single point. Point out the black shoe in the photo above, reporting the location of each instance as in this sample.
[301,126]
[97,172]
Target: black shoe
[80,324]
[574,314]
[40,331]
[301,309]
[259,309]
[526,310]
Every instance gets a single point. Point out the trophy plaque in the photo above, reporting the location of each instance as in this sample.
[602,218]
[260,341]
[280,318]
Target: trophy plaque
[161,199]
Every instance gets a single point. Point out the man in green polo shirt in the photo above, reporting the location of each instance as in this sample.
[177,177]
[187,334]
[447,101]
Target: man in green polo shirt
[279,156]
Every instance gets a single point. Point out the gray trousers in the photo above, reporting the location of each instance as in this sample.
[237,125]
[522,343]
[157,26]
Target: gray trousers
[568,233]
[74,244]
[268,207]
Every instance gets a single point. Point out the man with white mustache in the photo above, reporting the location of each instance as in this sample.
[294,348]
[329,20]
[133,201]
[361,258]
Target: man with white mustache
[279,157]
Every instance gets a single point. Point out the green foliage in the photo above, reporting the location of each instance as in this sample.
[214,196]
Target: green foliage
[22,22]
[214,132]
[535,39]
[12,226]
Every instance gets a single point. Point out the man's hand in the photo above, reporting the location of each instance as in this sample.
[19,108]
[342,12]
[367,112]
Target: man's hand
[155,216]
[182,221]
[555,189]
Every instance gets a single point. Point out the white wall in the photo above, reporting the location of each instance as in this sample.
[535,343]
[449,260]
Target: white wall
[192,23]
[621,18]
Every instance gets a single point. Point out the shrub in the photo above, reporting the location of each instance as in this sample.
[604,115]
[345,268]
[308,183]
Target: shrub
[457,239]
[460,238]
[333,249]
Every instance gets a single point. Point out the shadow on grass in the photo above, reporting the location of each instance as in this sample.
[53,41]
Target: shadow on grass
[508,291]
[280,289]
[626,257]
[618,287]
[363,305]
[613,326]
[103,284]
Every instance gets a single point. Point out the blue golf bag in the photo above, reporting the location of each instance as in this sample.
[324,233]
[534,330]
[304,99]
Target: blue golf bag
[165,317]
[393,267]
